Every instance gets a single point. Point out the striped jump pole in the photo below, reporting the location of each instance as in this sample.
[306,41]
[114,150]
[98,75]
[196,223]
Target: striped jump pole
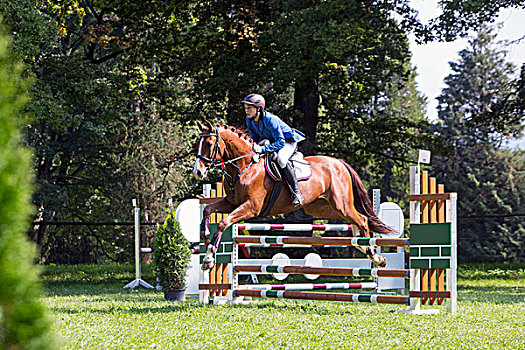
[311,286]
[327,271]
[320,241]
[288,246]
[295,227]
[356,298]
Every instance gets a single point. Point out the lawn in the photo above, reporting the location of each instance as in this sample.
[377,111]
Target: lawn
[92,311]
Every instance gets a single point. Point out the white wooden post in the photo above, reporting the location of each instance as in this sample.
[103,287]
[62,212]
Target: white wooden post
[452,302]
[415,210]
[138,280]
[204,295]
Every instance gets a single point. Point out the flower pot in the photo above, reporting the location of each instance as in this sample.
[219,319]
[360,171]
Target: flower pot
[175,294]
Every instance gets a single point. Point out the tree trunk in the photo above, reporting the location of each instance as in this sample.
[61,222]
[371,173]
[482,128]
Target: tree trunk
[234,109]
[306,101]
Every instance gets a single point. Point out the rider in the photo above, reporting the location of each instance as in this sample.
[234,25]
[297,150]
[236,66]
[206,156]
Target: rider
[283,139]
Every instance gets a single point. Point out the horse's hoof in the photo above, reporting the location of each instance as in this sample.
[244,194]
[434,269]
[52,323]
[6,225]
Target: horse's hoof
[208,262]
[379,261]
[207,266]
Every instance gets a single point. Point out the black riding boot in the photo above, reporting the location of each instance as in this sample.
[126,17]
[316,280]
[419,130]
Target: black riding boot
[289,175]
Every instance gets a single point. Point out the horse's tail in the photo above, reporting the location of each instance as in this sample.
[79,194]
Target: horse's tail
[363,204]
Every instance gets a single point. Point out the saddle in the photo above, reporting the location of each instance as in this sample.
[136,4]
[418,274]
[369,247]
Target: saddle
[303,169]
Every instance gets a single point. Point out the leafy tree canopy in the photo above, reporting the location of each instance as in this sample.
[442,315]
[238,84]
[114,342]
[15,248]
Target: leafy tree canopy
[489,180]
[116,84]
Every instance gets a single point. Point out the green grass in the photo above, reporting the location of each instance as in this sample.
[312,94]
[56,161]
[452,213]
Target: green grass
[92,311]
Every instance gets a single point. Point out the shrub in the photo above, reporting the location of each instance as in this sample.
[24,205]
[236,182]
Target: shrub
[171,254]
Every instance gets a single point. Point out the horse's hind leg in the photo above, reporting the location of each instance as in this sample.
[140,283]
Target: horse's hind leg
[360,221]
[369,251]
[322,208]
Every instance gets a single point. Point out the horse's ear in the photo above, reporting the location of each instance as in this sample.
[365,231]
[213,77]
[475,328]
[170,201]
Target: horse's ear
[210,125]
[200,125]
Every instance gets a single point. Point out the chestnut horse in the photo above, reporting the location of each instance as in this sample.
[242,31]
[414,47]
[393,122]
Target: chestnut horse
[334,191]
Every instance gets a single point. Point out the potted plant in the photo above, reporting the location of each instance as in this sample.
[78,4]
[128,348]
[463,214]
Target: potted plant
[172,256]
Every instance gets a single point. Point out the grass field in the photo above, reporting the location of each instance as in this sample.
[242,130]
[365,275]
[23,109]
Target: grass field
[92,311]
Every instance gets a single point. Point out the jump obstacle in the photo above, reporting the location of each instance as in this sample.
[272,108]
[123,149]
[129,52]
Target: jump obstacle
[432,254]
[189,215]
[432,247]
[219,275]
[231,249]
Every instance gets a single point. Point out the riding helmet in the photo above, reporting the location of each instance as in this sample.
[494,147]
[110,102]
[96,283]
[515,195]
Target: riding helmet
[255,100]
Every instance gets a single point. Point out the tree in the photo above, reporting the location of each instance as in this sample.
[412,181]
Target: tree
[489,180]
[108,73]
[460,16]
[386,170]
[24,322]
[479,93]
[457,18]
[98,139]
[316,62]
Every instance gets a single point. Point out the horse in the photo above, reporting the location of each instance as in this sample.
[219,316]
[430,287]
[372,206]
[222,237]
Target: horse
[334,191]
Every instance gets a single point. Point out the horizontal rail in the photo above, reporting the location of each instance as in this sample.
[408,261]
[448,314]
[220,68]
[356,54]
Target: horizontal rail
[429,197]
[209,200]
[327,271]
[294,227]
[103,223]
[310,286]
[429,294]
[320,241]
[256,245]
[208,286]
[356,298]
[145,250]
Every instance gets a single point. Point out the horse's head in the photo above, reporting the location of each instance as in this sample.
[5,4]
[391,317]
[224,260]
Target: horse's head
[223,146]
[211,148]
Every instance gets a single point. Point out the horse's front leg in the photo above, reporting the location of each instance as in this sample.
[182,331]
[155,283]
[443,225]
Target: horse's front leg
[244,211]
[221,206]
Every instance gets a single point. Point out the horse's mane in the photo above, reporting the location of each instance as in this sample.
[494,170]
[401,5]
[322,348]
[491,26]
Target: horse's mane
[242,133]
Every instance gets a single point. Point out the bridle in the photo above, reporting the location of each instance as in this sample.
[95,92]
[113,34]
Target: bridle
[213,161]
[216,149]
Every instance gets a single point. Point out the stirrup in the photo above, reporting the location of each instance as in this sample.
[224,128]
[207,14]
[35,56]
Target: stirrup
[297,199]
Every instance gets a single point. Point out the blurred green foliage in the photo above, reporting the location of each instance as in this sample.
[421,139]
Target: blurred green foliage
[24,322]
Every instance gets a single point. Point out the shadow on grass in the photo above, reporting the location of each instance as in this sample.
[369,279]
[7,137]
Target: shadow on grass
[303,307]
[179,307]
[309,307]
[87,287]
[296,309]
[495,295]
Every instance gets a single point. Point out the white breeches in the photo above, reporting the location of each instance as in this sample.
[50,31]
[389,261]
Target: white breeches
[284,154]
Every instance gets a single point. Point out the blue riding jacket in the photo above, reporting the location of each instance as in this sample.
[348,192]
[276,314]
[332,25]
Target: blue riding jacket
[271,127]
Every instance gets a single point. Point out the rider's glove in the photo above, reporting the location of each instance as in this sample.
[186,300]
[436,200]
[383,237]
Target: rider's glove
[257,148]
